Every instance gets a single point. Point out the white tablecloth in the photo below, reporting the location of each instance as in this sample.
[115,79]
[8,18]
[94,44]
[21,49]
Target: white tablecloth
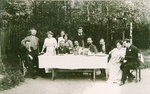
[73,62]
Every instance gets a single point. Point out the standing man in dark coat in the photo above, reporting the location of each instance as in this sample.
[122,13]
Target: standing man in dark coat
[103,48]
[80,37]
[131,61]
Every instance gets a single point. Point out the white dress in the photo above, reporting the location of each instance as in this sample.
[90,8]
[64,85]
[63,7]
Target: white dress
[50,44]
[113,70]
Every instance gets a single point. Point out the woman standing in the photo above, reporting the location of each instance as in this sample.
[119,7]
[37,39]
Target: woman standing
[50,44]
[62,33]
[114,72]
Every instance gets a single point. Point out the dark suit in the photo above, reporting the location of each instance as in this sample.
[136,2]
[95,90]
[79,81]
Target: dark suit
[81,39]
[93,48]
[100,49]
[34,42]
[30,63]
[107,49]
[132,62]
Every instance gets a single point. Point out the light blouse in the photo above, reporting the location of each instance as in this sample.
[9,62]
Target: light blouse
[50,44]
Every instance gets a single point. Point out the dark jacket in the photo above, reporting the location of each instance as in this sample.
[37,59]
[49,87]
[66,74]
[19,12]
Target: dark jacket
[81,39]
[24,55]
[107,48]
[93,48]
[132,55]
[63,50]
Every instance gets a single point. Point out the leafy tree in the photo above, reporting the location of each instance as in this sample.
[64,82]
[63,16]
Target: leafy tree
[108,19]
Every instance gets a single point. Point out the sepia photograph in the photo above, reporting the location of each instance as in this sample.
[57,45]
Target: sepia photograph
[74,46]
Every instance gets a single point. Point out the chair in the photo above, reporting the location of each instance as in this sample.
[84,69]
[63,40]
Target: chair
[138,73]
[138,69]
[23,68]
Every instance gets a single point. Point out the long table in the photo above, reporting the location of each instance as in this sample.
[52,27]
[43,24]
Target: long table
[71,62]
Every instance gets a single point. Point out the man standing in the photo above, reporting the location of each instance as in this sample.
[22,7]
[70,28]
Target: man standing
[80,37]
[62,33]
[131,61]
[91,47]
[33,39]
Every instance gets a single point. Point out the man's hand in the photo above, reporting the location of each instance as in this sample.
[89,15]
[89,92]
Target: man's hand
[30,57]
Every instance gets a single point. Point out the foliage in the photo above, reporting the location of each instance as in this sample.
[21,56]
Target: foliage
[16,12]
[146,55]
[107,19]
[11,72]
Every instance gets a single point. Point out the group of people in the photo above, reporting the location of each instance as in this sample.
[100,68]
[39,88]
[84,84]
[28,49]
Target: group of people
[123,57]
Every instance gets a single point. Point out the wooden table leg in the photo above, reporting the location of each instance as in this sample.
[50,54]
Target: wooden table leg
[53,74]
[106,72]
[94,74]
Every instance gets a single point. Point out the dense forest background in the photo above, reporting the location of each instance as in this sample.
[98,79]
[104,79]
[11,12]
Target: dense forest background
[100,19]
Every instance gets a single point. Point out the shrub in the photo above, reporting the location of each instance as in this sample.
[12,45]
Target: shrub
[11,71]
[146,55]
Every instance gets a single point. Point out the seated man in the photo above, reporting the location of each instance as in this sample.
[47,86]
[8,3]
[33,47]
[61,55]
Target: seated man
[62,49]
[91,47]
[131,61]
[77,49]
[30,58]
[103,48]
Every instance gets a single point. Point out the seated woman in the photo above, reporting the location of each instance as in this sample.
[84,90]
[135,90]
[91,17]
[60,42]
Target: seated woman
[114,72]
[29,57]
[67,43]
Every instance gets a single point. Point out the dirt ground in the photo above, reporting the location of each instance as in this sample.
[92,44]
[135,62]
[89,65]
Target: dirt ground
[79,85]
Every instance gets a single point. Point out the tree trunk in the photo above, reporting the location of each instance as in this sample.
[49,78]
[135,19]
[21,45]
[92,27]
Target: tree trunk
[88,12]
[0,42]
[131,32]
